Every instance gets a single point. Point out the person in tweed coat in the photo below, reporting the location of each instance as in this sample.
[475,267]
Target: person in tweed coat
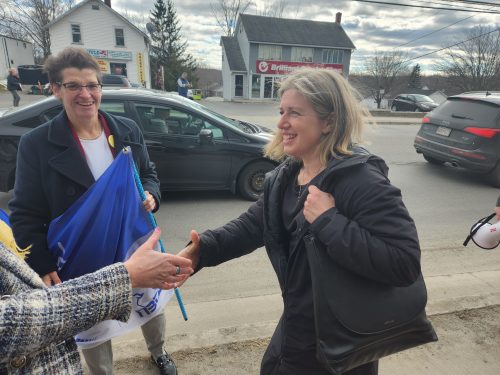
[37,323]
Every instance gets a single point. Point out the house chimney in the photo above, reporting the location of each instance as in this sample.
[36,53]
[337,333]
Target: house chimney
[338,18]
[108,3]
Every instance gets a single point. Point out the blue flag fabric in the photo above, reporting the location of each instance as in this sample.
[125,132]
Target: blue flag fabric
[105,226]
[102,225]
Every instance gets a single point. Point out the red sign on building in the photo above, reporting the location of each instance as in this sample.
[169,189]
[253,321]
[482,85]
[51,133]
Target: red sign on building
[286,67]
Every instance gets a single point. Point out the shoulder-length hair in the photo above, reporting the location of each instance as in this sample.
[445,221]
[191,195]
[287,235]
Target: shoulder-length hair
[332,98]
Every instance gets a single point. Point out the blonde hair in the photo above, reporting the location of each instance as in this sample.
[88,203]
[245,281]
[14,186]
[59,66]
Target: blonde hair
[332,98]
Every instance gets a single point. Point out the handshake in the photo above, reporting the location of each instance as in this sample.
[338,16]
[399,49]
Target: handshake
[149,268]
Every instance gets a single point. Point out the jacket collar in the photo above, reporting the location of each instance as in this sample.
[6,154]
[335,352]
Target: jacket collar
[69,161]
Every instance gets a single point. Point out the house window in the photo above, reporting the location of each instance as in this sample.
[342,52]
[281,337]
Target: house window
[76,33]
[119,37]
[300,54]
[269,52]
[333,56]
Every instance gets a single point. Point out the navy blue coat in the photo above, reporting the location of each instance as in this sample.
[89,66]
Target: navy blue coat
[369,232]
[52,173]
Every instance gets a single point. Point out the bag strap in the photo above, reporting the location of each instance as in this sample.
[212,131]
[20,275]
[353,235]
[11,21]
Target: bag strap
[481,223]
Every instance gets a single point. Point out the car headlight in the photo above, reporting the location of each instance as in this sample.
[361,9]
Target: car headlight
[425,106]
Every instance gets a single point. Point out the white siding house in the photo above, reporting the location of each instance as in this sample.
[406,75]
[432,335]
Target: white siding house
[14,52]
[118,45]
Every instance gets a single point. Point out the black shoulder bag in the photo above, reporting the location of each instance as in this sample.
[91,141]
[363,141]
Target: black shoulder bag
[359,320]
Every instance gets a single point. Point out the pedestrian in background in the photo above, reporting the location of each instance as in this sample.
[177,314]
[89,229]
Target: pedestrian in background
[14,85]
[327,187]
[183,85]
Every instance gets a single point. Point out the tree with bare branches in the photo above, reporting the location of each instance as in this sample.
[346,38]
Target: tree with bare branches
[226,13]
[384,70]
[26,19]
[273,8]
[474,65]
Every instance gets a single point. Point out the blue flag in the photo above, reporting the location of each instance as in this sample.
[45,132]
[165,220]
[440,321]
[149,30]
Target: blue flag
[104,226]
[100,228]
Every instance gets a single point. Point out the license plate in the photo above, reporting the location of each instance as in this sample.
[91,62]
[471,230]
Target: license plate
[441,130]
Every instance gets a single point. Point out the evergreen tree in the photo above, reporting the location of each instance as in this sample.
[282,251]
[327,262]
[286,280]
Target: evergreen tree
[168,48]
[415,81]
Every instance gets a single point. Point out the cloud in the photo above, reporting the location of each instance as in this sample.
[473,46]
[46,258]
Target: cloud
[370,26]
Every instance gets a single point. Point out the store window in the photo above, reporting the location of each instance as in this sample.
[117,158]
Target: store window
[301,54]
[76,33]
[269,52]
[333,56]
[238,85]
[119,37]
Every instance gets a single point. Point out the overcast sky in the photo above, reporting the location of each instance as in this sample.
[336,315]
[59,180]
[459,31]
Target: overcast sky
[371,27]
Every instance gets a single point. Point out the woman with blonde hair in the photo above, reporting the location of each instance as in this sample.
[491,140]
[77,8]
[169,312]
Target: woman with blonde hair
[327,187]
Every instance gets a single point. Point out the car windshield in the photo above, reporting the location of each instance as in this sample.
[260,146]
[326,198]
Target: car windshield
[240,125]
[422,98]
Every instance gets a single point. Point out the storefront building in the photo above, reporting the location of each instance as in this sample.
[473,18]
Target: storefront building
[266,49]
[118,45]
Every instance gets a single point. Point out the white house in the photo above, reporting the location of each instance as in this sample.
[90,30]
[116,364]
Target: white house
[14,52]
[118,45]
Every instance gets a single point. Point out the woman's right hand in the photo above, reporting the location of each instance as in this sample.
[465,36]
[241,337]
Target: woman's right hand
[148,268]
[192,251]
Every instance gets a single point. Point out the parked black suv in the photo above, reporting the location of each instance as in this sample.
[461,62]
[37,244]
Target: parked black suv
[465,132]
[413,103]
[115,80]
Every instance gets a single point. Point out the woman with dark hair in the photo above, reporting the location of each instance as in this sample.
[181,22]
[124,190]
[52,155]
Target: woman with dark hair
[58,161]
[327,187]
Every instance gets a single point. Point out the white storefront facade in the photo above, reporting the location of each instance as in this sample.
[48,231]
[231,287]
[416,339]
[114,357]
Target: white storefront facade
[266,49]
[118,45]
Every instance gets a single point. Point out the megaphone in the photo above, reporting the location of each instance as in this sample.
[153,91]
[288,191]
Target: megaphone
[484,234]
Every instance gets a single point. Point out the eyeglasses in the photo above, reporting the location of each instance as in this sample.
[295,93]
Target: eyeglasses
[76,87]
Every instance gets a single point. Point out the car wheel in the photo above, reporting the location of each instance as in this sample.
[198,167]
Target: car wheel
[431,160]
[494,176]
[394,108]
[251,180]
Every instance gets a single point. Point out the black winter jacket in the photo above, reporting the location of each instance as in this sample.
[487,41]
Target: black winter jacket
[13,83]
[369,232]
[51,175]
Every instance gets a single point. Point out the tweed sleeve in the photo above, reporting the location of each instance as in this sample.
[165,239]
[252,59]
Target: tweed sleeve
[29,321]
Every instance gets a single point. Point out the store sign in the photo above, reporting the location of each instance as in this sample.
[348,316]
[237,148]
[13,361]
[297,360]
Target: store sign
[105,54]
[286,67]
[141,74]
[98,53]
[103,65]
[120,55]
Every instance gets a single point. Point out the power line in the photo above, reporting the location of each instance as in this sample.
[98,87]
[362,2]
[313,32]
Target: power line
[442,28]
[453,45]
[426,7]
[453,4]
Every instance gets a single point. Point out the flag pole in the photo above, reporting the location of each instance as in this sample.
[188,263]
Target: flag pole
[142,194]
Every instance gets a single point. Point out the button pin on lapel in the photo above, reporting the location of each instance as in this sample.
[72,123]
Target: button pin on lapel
[111,140]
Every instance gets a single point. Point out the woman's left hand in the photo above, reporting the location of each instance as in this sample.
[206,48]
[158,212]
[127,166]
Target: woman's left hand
[317,202]
[149,202]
